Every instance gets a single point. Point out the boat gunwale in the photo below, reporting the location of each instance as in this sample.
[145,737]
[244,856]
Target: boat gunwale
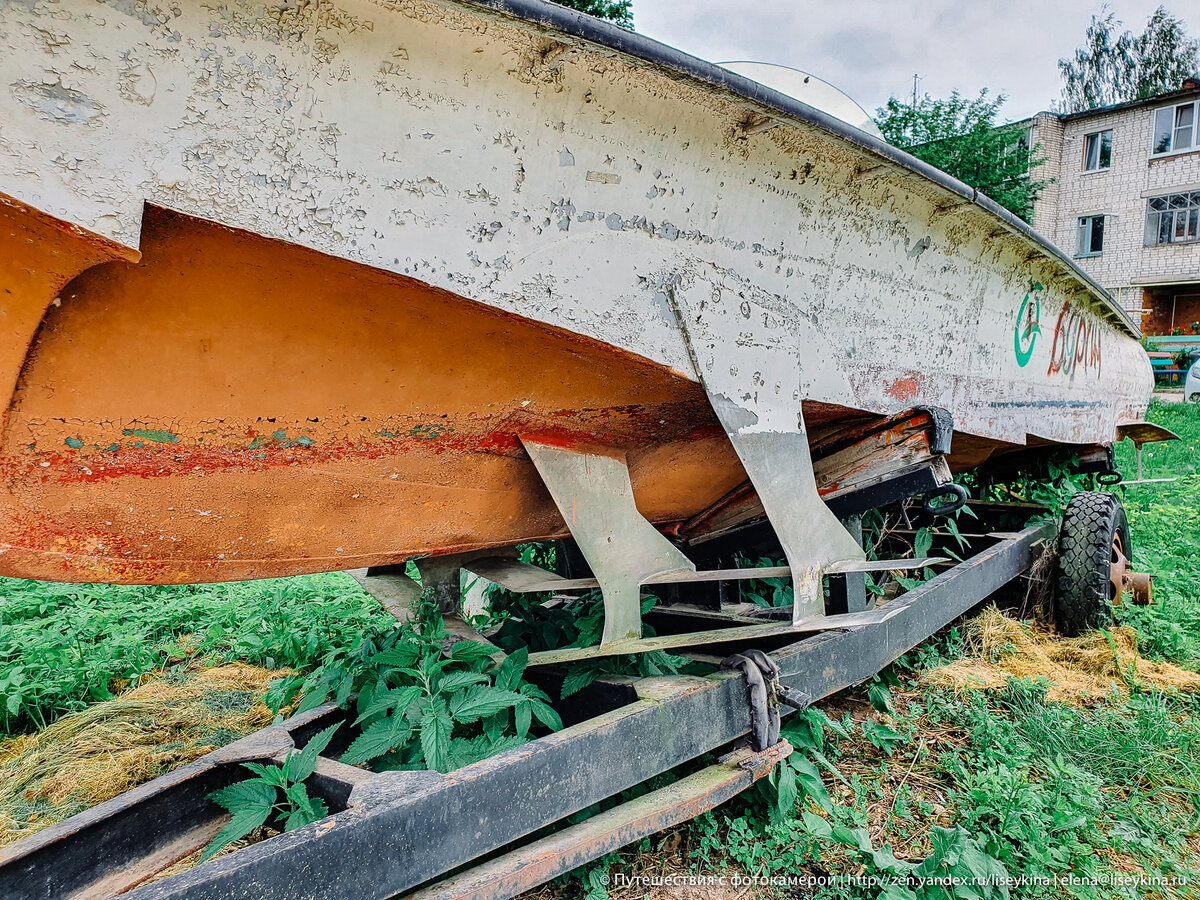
[612,37]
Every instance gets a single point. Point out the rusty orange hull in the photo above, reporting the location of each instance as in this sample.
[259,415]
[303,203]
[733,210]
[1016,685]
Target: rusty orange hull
[266,410]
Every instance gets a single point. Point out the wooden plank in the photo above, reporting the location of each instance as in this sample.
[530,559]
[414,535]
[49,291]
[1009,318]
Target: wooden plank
[520,577]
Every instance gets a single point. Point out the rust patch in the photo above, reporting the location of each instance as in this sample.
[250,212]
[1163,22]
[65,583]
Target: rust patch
[905,388]
[237,407]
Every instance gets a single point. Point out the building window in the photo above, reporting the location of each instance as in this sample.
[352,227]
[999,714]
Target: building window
[1173,219]
[1024,142]
[1090,241]
[1175,128]
[1097,151]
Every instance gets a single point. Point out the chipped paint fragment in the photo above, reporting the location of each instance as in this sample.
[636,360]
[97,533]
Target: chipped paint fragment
[157,435]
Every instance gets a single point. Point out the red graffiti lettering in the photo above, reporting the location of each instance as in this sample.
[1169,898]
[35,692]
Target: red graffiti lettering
[1077,345]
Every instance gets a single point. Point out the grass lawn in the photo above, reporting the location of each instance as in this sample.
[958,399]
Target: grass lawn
[63,646]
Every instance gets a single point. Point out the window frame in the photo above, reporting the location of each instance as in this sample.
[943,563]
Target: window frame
[1176,209]
[1099,144]
[1193,147]
[1080,253]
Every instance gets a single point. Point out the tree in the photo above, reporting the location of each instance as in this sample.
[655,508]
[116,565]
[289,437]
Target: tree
[618,11]
[1113,67]
[960,137]
[1166,55]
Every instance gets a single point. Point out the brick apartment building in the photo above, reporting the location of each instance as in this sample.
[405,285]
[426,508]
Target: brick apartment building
[1125,201]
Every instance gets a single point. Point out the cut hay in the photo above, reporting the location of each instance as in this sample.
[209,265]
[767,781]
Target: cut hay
[93,755]
[1081,670]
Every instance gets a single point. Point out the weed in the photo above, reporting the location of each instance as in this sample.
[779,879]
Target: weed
[1165,522]
[422,702]
[63,646]
[277,791]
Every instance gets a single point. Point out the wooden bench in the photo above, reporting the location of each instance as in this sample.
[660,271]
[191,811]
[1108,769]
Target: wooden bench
[1164,366]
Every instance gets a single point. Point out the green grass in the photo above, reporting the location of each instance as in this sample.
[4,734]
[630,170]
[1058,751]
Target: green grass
[63,646]
[1165,527]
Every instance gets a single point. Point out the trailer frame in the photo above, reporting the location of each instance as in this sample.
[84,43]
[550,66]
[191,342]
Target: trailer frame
[394,832]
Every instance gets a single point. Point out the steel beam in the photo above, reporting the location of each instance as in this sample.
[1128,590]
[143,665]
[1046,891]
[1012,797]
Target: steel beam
[534,864]
[523,578]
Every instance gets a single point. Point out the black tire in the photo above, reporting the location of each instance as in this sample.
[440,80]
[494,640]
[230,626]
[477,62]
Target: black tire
[1094,529]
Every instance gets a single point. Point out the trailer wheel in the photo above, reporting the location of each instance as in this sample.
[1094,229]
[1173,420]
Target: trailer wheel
[1093,546]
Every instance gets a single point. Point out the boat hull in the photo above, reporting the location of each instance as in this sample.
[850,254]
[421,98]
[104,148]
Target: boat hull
[376,244]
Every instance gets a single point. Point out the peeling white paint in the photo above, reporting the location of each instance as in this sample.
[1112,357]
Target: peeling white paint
[554,180]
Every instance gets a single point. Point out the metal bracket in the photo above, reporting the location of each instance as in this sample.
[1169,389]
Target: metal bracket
[395,591]
[441,577]
[399,594]
[595,497]
[848,590]
[761,413]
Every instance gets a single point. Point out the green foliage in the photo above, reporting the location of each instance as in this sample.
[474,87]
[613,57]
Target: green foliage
[63,646]
[274,791]
[960,137]
[768,592]
[797,777]
[618,11]
[1113,67]
[1040,791]
[525,620]
[1045,786]
[1165,521]
[960,866]
[1052,486]
[423,702]
[1040,826]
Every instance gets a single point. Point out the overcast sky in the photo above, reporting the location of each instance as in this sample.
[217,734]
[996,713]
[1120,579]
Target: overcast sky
[871,48]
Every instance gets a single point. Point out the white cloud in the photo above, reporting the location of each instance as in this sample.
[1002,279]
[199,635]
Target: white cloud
[871,48]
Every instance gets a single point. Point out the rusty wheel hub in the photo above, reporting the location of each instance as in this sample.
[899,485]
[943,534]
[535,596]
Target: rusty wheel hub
[1122,578]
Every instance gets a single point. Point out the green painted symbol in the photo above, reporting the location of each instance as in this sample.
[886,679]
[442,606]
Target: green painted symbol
[1028,326]
[157,435]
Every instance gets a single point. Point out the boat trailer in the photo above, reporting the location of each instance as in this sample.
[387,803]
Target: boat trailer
[499,827]
[656,277]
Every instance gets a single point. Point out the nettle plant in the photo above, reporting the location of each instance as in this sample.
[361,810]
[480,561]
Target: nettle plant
[961,865]
[277,791]
[525,620]
[420,701]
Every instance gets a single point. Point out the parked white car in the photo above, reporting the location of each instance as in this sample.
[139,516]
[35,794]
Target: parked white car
[1191,384]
